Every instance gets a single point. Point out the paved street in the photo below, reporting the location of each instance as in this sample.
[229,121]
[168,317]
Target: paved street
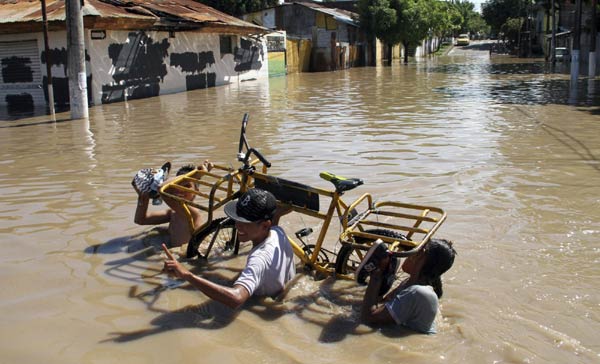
[476,46]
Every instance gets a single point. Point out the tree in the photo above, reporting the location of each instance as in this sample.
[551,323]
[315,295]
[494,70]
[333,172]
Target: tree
[378,19]
[410,21]
[477,25]
[511,29]
[466,10]
[445,19]
[239,7]
[497,12]
[414,22]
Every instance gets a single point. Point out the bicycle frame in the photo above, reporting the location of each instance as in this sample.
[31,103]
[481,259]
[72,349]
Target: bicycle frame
[308,256]
[222,184]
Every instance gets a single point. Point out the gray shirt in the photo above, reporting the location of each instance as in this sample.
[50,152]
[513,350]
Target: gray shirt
[415,307]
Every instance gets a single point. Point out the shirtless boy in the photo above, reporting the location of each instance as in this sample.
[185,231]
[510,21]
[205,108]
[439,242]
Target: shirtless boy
[179,229]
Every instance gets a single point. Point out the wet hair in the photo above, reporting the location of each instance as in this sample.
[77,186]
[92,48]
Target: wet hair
[185,169]
[440,257]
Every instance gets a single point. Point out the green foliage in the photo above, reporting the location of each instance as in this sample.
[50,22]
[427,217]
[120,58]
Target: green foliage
[239,7]
[511,29]
[478,25]
[415,20]
[377,18]
[411,21]
[497,12]
[466,10]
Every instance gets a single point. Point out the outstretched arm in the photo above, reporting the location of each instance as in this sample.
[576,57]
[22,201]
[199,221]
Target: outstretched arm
[233,297]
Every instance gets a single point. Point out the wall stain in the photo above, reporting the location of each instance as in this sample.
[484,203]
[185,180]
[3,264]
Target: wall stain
[60,86]
[19,105]
[16,70]
[60,57]
[195,63]
[139,68]
[247,56]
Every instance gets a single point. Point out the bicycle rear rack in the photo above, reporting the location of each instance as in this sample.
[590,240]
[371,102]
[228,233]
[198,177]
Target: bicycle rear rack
[413,226]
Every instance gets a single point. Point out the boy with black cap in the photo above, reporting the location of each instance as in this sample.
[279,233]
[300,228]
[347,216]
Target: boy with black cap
[270,264]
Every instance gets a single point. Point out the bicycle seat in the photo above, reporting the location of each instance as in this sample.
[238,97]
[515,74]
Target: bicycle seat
[341,184]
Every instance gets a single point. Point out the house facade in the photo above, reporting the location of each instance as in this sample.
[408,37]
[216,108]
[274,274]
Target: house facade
[564,26]
[134,49]
[319,38]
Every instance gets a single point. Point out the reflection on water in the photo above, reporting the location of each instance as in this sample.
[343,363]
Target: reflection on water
[505,148]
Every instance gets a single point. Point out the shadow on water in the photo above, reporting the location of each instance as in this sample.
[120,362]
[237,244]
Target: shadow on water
[577,146]
[514,68]
[29,124]
[514,90]
[12,113]
[142,266]
[314,307]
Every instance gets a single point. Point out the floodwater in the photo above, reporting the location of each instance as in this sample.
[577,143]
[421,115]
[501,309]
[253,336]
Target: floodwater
[502,145]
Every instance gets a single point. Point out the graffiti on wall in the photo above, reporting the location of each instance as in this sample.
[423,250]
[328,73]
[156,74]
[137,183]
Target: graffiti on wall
[139,67]
[248,56]
[59,57]
[17,70]
[60,84]
[196,64]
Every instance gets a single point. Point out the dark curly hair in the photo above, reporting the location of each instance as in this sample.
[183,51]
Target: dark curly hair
[185,169]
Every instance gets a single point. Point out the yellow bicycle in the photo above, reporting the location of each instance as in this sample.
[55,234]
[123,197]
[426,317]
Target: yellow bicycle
[403,227]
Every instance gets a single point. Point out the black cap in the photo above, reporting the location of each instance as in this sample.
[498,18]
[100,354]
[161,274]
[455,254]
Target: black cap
[254,205]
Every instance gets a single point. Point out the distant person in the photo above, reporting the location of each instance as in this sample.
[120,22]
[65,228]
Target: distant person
[176,216]
[270,265]
[414,303]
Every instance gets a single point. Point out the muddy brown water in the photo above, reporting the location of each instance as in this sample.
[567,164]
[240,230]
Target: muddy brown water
[501,145]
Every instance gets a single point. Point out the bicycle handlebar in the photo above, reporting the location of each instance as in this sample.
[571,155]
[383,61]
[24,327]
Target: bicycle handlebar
[244,143]
[243,140]
[258,155]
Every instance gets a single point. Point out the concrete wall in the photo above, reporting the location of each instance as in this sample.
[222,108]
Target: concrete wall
[136,64]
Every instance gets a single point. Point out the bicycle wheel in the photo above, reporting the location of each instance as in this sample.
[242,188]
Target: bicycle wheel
[349,258]
[223,232]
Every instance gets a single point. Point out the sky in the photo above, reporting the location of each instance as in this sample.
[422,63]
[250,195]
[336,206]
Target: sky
[477,4]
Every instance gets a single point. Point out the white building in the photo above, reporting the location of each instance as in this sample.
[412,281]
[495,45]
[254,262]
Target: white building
[134,49]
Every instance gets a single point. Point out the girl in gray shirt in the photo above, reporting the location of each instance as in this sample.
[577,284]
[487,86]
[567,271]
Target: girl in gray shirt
[414,303]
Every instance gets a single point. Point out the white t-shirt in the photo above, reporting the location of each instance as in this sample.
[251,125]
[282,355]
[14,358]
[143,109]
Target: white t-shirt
[270,265]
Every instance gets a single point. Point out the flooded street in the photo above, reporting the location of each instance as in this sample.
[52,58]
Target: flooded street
[502,145]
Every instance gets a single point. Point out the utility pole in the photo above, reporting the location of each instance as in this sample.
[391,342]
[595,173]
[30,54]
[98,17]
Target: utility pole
[594,30]
[553,40]
[48,64]
[576,45]
[76,58]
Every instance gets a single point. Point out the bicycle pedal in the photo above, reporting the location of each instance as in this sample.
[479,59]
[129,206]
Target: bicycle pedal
[303,232]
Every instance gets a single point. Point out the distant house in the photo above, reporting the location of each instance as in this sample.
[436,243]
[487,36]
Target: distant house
[134,49]
[319,38]
[565,12]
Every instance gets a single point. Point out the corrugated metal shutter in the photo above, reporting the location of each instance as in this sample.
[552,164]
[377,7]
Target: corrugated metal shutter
[20,73]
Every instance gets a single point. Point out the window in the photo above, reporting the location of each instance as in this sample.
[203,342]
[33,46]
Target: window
[226,44]
[275,43]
